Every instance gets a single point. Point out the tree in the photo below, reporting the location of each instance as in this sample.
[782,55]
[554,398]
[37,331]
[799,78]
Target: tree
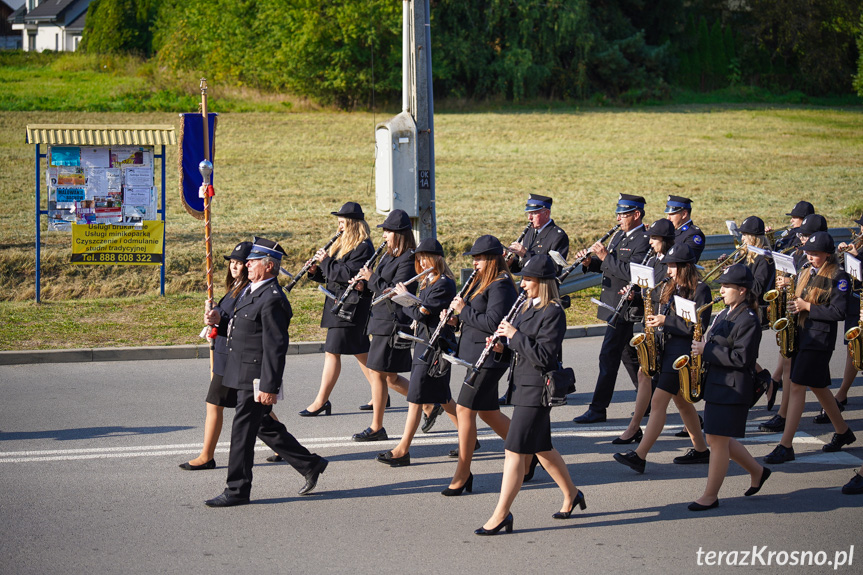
[119,27]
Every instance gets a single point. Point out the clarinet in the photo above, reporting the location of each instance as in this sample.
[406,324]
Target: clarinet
[295,280]
[391,294]
[337,307]
[509,257]
[436,334]
[571,268]
[626,291]
[471,375]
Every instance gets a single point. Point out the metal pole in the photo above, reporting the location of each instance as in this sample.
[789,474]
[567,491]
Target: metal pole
[162,280]
[406,50]
[422,114]
[38,231]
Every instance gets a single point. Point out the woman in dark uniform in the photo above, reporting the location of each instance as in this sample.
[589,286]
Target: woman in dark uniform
[218,396]
[820,302]
[436,291]
[335,268]
[661,237]
[685,282]
[388,355]
[728,350]
[535,339]
[489,297]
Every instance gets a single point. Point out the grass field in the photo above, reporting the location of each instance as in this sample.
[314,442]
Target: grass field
[279,175]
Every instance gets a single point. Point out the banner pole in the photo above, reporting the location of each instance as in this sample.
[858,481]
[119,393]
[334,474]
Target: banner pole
[206,169]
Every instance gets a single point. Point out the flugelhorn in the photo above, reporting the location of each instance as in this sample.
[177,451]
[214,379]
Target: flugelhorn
[390,294]
[726,261]
[300,274]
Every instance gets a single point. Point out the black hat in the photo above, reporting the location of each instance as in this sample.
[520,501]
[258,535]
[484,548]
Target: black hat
[396,221]
[539,266]
[536,202]
[241,252]
[819,242]
[677,203]
[752,225]
[486,245]
[429,246]
[679,254]
[663,228]
[859,221]
[628,203]
[266,248]
[350,210]
[737,274]
[801,210]
[811,224]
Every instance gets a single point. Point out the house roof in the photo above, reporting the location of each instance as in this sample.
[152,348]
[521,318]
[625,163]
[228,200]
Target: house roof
[49,9]
[78,23]
[17,17]
[93,135]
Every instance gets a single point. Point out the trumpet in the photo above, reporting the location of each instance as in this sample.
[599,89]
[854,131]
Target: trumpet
[725,261]
[390,294]
[856,243]
[439,329]
[300,274]
[782,232]
[337,307]
[511,254]
[691,379]
[571,267]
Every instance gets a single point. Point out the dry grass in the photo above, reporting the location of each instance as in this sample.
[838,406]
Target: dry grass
[279,176]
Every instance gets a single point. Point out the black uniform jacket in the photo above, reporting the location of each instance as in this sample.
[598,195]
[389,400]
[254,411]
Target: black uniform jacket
[481,316]
[731,351]
[764,271]
[225,307]
[435,298]
[337,273]
[615,267]
[549,238]
[818,328]
[535,347]
[691,235]
[677,333]
[387,318]
[258,339]
[790,239]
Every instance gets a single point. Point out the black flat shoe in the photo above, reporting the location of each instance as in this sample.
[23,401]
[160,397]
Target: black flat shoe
[312,478]
[211,464]
[530,470]
[780,454]
[590,416]
[225,500]
[454,452]
[505,524]
[684,433]
[839,440]
[855,486]
[368,435]
[699,507]
[275,458]
[326,408]
[753,490]
[467,486]
[775,424]
[430,419]
[774,389]
[368,406]
[388,459]
[632,460]
[636,438]
[579,500]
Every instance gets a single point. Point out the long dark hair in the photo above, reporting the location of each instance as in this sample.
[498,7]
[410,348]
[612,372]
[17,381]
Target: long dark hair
[495,269]
[687,281]
[233,287]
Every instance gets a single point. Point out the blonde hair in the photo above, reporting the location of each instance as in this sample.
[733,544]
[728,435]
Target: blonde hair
[439,268]
[755,241]
[355,233]
[404,241]
[495,270]
[548,293]
[816,295]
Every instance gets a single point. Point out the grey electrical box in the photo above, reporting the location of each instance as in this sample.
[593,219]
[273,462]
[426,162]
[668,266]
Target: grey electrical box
[396,166]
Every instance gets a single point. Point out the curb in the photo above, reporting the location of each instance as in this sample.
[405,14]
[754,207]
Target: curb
[186,351]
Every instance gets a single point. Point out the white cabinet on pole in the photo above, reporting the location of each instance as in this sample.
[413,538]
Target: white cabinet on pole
[396,166]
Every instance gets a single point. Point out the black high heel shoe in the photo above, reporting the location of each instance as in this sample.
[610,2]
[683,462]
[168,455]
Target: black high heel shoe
[529,475]
[579,500]
[468,485]
[327,408]
[505,524]
[636,438]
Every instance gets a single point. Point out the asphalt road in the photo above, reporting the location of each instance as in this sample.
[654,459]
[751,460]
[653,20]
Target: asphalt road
[88,465]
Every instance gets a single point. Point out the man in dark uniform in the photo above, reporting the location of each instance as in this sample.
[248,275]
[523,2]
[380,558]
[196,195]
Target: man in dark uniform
[542,237]
[797,215]
[679,212]
[257,342]
[629,244]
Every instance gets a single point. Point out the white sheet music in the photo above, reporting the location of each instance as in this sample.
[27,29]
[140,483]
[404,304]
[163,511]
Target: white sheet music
[784,263]
[685,308]
[642,275]
[853,267]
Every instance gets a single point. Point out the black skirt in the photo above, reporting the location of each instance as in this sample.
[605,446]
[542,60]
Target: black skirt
[725,420]
[529,431]
[483,396]
[347,340]
[424,388]
[385,359]
[220,395]
[811,367]
[669,382]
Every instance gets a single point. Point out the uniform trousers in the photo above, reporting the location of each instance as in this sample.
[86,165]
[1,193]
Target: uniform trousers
[253,419]
[615,348]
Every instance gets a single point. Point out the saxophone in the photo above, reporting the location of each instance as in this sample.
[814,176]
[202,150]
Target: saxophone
[776,301]
[855,345]
[786,326]
[645,343]
[690,370]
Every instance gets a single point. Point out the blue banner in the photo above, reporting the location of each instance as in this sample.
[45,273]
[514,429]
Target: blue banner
[191,154]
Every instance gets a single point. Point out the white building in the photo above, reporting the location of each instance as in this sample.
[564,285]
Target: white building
[50,24]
